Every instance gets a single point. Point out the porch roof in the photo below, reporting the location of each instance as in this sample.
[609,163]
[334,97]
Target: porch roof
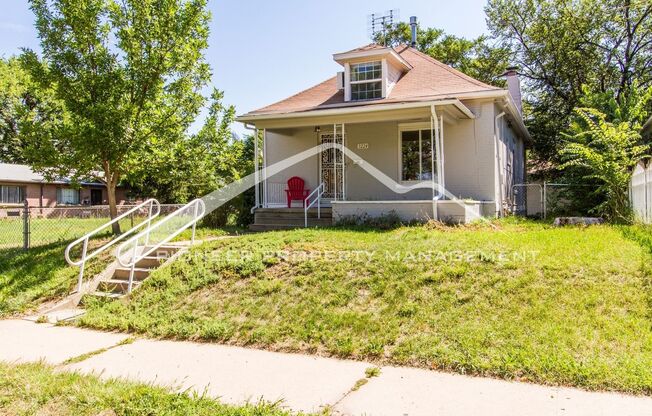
[451,106]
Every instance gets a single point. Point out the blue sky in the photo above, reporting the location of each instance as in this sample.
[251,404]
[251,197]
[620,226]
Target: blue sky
[262,51]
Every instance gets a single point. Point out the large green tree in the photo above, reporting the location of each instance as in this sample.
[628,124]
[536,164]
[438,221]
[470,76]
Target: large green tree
[476,57]
[130,74]
[20,99]
[566,48]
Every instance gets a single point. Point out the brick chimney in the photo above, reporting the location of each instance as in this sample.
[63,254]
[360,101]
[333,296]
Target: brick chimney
[514,86]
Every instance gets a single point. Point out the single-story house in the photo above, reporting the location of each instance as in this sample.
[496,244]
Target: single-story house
[19,183]
[395,131]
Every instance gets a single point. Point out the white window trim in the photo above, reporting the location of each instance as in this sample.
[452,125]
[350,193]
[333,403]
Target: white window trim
[348,81]
[412,127]
[22,192]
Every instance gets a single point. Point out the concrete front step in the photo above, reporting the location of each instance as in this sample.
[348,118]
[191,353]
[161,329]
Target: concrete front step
[290,215]
[150,262]
[116,286]
[271,227]
[122,273]
[298,222]
[163,251]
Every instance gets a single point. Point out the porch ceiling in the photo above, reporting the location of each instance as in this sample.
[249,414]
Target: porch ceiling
[452,109]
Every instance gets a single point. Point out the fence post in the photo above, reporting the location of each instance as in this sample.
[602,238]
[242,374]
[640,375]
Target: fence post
[25,225]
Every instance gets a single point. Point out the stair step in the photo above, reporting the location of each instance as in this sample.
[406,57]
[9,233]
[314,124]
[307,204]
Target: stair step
[109,295]
[291,216]
[270,227]
[295,221]
[291,210]
[150,262]
[265,218]
[122,273]
[162,251]
[116,286]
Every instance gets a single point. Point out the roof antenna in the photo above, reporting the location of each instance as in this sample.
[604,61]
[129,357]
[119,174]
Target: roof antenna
[380,23]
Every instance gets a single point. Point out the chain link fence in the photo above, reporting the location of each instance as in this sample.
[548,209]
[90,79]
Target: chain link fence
[547,199]
[35,226]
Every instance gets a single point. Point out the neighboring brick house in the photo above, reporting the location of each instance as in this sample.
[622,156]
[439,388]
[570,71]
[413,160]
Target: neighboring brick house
[19,183]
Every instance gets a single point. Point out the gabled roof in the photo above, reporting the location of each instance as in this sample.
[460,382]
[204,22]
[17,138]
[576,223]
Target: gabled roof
[428,79]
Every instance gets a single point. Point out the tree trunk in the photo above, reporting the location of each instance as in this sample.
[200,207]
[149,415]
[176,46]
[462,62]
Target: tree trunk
[111,184]
[113,208]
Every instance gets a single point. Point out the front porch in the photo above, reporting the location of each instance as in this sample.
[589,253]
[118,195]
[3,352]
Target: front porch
[374,164]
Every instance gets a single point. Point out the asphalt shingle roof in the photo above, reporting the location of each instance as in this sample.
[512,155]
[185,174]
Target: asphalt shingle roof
[427,78]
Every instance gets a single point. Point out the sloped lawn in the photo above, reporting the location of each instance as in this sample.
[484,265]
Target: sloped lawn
[515,299]
[41,274]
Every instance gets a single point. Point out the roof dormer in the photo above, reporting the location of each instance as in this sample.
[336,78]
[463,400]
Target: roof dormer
[370,72]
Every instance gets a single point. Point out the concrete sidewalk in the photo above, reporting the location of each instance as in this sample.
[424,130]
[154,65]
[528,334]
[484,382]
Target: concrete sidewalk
[304,383]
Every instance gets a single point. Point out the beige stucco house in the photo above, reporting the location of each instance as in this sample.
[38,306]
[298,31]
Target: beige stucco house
[399,131]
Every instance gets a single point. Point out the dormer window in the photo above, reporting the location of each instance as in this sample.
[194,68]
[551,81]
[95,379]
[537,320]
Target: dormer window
[366,81]
[370,73]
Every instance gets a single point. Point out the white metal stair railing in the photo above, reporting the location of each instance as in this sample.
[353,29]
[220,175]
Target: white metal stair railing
[307,203]
[150,205]
[128,254]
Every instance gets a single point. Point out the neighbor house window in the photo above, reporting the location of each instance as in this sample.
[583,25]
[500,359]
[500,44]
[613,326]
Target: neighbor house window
[416,155]
[12,194]
[67,196]
[366,81]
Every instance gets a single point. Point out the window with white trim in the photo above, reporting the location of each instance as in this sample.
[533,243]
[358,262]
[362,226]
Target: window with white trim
[12,194]
[67,196]
[366,81]
[417,155]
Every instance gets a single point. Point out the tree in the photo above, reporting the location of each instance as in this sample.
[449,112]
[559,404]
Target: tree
[130,75]
[194,166]
[475,57]
[605,152]
[565,48]
[20,99]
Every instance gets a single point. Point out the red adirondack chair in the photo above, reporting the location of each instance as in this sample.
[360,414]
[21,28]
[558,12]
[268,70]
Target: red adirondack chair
[296,191]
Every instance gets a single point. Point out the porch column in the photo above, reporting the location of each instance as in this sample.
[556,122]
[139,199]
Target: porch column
[265,202]
[256,173]
[341,165]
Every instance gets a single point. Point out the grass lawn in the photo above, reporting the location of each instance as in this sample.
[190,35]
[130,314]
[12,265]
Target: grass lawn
[30,278]
[517,300]
[41,274]
[30,389]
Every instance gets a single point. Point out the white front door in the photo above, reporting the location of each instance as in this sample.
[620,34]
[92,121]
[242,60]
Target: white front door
[331,167]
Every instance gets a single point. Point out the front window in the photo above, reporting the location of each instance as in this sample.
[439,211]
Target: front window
[67,196]
[12,194]
[366,81]
[416,155]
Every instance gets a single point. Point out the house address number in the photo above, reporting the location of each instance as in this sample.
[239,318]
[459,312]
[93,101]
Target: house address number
[363,146]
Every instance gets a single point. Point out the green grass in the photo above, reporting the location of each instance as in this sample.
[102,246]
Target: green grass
[570,306]
[45,231]
[41,274]
[35,389]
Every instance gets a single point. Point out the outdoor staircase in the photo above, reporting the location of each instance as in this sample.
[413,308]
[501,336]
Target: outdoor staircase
[266,219]
[116,283]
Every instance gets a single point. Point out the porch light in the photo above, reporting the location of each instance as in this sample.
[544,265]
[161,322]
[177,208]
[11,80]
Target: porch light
[317,129]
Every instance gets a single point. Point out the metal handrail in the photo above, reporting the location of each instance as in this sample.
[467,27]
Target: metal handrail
[85,256]
[199,209]
[307,204]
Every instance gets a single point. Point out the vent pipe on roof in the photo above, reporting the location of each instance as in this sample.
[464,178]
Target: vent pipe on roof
[413,26]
